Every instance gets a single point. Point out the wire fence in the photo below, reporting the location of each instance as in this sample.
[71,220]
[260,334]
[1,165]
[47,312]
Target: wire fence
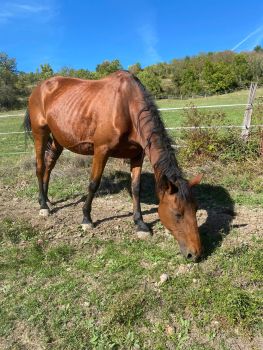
[160,109]
[185,128]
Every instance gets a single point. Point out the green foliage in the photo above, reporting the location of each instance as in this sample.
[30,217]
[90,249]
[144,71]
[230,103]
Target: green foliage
[107,67]
[217,77]
[77,73]
[213,142]
[46,71]
[8,80]
[135,68]
[258,48]
[204,74]
[151,81]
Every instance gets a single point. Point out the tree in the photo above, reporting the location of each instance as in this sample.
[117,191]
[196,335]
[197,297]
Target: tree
[258,48]
[46,71]
[107,67]
[77,73]
[135,68]
[8,80]
[218,77]
[151,81]
[242,70]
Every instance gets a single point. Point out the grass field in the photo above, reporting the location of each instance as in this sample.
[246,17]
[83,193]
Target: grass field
[64,289]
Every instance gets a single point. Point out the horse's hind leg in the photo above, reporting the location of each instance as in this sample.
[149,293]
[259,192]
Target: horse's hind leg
[136,168]
[51,156]
[41,139]
[98,164]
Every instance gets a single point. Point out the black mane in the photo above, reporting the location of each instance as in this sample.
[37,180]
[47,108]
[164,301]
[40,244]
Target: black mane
[168,168]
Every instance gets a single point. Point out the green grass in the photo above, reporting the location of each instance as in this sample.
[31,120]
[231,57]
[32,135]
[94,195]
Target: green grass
[83,298]
[231,98]
[234,115]
[104,293]
[12,143]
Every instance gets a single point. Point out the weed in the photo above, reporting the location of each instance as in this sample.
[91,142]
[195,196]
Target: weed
[211,142]
[16,231]
[59,254]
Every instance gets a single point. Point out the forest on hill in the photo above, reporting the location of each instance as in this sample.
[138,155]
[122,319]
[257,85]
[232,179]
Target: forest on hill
[204,74]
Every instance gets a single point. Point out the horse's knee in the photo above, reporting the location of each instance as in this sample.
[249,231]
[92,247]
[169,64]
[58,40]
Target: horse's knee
[39,170]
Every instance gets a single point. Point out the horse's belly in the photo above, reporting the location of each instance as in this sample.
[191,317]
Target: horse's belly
[85,148]
[128,150]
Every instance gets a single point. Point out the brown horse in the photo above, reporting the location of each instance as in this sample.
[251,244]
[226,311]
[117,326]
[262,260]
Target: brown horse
[112,117]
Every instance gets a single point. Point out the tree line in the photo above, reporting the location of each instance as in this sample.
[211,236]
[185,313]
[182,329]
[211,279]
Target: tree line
[203,74]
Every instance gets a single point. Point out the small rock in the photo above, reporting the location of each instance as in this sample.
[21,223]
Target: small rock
[143,234]
[195,280]
[163,278]
[40,242]
[236,330]
[170,330]
[215,324]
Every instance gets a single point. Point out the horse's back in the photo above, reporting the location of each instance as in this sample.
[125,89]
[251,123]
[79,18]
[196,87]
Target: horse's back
[83,112]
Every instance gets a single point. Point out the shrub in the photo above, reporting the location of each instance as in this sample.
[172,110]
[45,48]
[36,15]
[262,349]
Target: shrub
[213,142]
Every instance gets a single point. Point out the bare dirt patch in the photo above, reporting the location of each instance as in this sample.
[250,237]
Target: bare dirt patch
[112,215]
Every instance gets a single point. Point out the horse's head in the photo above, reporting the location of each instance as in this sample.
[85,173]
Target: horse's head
[177,212]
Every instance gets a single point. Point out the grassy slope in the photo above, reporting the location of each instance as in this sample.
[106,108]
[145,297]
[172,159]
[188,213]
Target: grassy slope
[102,293]
[234,115]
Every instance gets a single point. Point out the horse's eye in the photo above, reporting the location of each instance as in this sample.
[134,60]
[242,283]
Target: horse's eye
[178,216]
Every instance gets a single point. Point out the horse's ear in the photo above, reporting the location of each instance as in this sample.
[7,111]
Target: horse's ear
[171,185]
[196,180]
[172,188]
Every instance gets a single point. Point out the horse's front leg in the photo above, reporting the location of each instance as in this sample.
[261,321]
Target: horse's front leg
[98,164]
[136,168]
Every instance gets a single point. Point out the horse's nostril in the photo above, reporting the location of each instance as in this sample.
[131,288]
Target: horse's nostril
[189,256]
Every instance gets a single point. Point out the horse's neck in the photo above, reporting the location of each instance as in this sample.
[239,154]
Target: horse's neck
[154,140]
[149,143]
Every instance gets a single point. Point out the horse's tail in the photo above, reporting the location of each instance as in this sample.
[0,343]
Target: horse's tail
[28,130]
[27,125]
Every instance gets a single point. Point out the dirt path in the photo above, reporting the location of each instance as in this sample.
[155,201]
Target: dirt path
[112,215]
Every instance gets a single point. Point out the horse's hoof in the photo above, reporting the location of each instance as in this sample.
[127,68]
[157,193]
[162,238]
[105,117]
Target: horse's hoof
[86,227]
[44,212]
[143,234]
[50,206]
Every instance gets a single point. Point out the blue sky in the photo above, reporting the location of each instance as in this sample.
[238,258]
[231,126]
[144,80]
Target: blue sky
[81,34]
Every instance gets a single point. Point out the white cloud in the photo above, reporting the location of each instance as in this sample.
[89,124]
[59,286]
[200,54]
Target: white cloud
[149,37]
[17,10]
[28,8]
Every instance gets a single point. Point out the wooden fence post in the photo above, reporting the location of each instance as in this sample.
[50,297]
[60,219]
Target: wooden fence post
[261,144]
[248,111]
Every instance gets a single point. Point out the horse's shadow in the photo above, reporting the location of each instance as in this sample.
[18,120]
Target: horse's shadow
[218,213]
[215,202]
